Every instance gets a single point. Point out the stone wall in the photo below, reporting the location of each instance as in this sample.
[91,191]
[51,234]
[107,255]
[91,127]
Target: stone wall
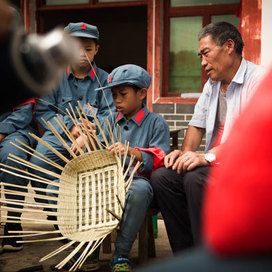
[177,116]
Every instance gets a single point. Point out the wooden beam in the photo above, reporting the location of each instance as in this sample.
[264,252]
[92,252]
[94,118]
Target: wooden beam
[251,29]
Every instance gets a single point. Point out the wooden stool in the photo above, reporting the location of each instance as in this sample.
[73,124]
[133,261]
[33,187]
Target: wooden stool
[146,240]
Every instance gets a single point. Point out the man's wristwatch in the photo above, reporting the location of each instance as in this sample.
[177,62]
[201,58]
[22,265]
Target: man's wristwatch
[210,157]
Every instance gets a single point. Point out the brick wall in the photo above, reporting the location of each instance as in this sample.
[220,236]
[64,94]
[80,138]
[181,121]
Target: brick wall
[177,116]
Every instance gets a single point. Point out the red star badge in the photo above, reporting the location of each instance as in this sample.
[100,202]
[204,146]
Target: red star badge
[109,79]
[83,26]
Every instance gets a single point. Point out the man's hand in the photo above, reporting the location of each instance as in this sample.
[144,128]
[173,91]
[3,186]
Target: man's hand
[171,157]
[188,161]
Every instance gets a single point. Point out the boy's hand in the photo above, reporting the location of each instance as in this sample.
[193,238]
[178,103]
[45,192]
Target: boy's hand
[2,136]
[117,148]
[74,131]
[88,126]
[80,142]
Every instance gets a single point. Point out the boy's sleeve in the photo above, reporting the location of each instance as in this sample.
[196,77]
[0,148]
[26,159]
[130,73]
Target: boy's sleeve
[19,118]
[159,146]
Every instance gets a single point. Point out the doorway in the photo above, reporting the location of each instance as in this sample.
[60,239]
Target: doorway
[123,32]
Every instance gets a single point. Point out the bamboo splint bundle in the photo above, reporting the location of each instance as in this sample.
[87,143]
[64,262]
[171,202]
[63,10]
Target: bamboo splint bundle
[90,197]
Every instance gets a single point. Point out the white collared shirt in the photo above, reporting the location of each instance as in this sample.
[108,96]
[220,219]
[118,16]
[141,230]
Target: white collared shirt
[239,92]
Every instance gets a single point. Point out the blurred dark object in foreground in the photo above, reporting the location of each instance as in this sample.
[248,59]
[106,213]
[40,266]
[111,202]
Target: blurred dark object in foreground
[32,64]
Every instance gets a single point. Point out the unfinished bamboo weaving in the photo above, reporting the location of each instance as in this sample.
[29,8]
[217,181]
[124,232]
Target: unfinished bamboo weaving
[91,191]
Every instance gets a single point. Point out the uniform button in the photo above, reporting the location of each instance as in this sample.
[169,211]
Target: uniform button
[80,98]
[125,127]
[63,99]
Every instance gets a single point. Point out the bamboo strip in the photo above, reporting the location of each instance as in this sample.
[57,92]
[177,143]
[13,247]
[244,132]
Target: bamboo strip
[64,128]
[127,184]
[79,261]
[57,251]
[114,214]
[85,128]
[49,147]
[108,128]
[75,121]
[11,209]
[41,156]
[34,232]
[37,222]
[25,176]
[28,173]
[86,253]
[42,240]
[129,165]
[95,137]
[90,126]
[70,256]
[49,206]
[26,235]
[37,189]
[59,109]
[33,166]
[119,201]
[125,156]
[99,126]
[45,197]
[62,141]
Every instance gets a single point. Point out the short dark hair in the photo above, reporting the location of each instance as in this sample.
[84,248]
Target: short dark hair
[96,41]
[221,32]
[135,88]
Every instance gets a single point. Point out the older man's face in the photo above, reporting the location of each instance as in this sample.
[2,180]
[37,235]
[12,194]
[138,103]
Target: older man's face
[214,58]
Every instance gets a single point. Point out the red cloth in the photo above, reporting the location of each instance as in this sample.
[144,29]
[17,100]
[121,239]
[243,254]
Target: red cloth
[158,158]
[237,214]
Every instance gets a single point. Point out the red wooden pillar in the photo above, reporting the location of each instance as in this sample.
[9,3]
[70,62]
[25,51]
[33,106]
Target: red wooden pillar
[251,29]
[25,13]
[153,50]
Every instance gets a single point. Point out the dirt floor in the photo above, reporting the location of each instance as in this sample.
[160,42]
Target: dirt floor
[32,252]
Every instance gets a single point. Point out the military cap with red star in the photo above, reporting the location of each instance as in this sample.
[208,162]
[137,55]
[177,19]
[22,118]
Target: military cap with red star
[82,30]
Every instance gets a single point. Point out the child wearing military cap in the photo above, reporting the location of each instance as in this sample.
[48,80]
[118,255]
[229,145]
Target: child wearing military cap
[148,137]
[78,84]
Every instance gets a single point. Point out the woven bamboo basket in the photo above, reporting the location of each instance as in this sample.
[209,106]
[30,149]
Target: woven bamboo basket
[90,197]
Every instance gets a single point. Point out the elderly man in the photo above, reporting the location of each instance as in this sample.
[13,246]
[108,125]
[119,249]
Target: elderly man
[179,186]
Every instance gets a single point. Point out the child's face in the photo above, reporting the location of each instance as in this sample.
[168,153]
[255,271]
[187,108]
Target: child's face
[126,100]
[88,47]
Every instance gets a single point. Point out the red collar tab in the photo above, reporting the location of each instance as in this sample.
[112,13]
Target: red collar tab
[139,116]
[83,26]
[29,101]
[119,116]
[68,71]
[92,73]
[109,79]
